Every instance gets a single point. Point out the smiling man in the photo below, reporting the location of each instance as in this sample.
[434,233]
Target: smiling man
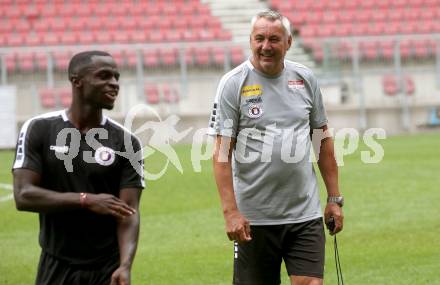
[67,169]
[271,203]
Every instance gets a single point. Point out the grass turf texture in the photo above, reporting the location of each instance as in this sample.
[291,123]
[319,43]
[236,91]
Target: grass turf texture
[391,227]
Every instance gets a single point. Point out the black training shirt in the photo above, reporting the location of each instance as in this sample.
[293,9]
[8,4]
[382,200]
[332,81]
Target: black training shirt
[104,160]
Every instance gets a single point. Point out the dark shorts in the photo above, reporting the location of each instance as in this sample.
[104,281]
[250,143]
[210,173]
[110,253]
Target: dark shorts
[52,270]
[301,246]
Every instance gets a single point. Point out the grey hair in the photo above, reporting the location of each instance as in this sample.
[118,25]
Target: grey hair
[273,16]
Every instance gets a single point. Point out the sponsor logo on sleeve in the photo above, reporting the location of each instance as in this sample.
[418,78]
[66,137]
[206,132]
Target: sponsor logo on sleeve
[60,149]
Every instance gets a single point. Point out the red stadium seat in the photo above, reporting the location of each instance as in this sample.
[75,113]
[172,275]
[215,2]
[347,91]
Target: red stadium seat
[21,26]
[342,30]
[346,16]
[47,98]
[13,12]
[375,29]
[33,39]
[173,35]
[189,55]
[206,35]
[26,61]
[409,85]
[138,36]
[151,92]
[151,58]
[118,56]
[237,55]
[49,11]
[62,59]
[5,26]
[41,61]
[10,61]
[93,24]
[156,36]
[65,96]
[84,10]
[202,56]
[390,85]
[391,28]
[168,56]
[86,37]
[131,57]
[405,49]
[68,38]
[103,37]
[101,10]
[179,23]
[344,50]
[218,55]
[50,39]
[14,39]
[170,94]
[121,37]
[387,49]
[170,10]
[421,48]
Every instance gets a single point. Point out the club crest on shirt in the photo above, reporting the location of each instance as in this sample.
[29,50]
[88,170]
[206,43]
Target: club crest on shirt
[104,156]
[255,111]
[295,84]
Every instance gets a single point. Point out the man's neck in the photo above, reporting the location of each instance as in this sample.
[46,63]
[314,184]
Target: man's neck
[84,117]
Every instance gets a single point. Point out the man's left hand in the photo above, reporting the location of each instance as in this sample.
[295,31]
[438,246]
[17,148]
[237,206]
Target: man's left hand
[121,276]
[335,211]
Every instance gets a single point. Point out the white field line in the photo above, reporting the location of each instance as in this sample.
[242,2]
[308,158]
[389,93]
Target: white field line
[9,196]
[6,198]
[5,186]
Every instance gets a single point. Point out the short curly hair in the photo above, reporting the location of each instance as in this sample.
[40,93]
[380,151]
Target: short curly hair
[82,59]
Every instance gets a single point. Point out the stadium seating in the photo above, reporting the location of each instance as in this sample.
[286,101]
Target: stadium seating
[47,98]
[341,18]
[50,23]
[392,87]
[55,97]
[157,93]
[151,92]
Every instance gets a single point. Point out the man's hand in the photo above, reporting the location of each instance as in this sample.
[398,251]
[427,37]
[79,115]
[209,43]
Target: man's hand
[237,227]
[333,210]
[121,276]
[107,204]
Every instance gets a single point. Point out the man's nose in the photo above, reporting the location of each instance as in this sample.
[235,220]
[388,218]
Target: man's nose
[114,82]
[266,44]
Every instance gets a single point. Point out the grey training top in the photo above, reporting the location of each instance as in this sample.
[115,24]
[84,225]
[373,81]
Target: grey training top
[271,118]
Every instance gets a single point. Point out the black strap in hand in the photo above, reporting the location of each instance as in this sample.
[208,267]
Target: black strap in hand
[338,264]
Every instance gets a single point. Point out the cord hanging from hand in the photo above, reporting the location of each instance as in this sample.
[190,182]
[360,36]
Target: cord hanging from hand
[338,264]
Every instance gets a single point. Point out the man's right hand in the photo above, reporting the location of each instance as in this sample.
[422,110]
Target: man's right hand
[107,204]
[237,227]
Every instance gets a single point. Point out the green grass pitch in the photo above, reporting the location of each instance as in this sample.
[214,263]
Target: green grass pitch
[391,234]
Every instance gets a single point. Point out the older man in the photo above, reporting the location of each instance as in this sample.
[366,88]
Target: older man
[264,113]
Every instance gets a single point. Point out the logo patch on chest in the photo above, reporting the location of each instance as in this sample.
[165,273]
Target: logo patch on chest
[296,84]
[104,156]
[252,90]
[255,111]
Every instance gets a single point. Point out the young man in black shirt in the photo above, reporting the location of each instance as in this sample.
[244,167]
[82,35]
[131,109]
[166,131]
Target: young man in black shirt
[83,174]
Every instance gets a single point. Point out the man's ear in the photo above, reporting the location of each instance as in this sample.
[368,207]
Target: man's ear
[76,81]
[289,42]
